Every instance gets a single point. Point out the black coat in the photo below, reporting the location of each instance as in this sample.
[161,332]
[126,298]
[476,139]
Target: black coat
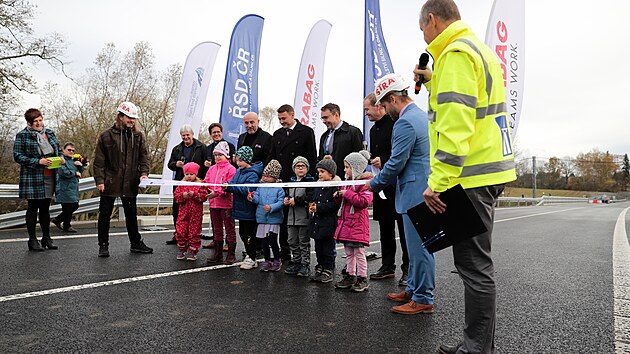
[210,152]
[198,156]
[347,139]
[324,223]
[261,144]
[301,142]
[381,146]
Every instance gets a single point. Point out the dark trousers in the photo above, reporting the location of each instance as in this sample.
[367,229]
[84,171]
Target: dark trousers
[175,212]
[285,250]
[387,229]
[325,253]
[105,208]
[473,261]
[247,232]
[43,206]
[271,241]
[66,213]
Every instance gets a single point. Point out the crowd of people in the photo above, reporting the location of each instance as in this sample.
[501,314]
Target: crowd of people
[413,156]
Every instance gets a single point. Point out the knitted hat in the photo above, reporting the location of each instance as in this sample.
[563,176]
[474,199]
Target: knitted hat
[191,167]
[222,148]
[273,169]
[301,159]
[358,161]
[329,165]
[245,153]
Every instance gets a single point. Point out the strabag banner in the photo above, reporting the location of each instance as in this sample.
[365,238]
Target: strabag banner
[376,57]
[193,90]
[310,84]
[506,37]
[240,90]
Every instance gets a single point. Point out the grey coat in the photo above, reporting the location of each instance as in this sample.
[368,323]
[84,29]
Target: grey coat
[298,214]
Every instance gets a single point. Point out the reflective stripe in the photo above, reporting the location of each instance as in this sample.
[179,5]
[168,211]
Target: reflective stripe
[487,168]
[454,97]
[482,112]
[485,65]
[449,159]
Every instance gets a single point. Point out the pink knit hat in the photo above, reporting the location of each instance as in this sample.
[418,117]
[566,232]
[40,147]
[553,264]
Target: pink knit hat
[222,148]
[191,167]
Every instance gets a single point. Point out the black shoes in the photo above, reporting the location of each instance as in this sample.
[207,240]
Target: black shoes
[48,243]
[383,273]
[403,280]
[70,229]
[448,349]
[57,223]
[103,251]
[140,247]
[33,245]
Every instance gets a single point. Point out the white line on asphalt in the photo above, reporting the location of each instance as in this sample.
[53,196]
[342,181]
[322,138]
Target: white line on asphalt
[538,214]
[621,293]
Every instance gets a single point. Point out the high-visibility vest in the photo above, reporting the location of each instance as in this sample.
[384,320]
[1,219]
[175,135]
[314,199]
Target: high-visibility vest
[471,141]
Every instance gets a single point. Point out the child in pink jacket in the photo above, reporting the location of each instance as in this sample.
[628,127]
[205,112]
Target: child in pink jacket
[221,205]
[353,227]
[190,216]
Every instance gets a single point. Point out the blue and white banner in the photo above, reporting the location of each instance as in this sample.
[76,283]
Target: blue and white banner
[506,37]
[240,90]
[191,99]
[376,57]
[309,91]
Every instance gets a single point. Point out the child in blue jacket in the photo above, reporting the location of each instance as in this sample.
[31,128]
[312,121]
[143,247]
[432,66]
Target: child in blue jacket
[269,215]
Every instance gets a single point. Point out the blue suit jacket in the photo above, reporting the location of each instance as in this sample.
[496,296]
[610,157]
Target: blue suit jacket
[409,160]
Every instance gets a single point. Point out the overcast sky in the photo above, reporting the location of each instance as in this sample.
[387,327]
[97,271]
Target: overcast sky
[576,56]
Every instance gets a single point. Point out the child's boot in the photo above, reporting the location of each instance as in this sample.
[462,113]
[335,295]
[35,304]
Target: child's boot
[217,257]
[231,256]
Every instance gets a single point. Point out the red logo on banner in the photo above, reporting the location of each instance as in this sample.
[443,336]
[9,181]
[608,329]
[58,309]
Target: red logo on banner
[307,98]
[501,49]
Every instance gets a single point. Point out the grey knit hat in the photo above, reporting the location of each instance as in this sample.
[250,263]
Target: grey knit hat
[301,159]
[329,165]
[273,169]
[358,161]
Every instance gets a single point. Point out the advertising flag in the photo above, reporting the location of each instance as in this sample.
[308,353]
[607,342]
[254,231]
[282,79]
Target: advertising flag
[506,37]
[240,90]
[193,90]
[376,57]
[310,83]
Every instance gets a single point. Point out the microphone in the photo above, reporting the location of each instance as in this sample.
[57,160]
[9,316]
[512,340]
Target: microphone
[422,64]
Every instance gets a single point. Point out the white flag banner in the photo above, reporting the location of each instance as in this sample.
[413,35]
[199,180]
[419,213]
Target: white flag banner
[506,37]
[193,90]
[310,83]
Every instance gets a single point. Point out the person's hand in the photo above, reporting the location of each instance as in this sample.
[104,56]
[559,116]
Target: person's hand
[292,201]
[211,194]
[250,196]
[207,163]
[267,208]
[44,161]
[62,161]
[367,185]
[143,177]
[426,74]
[179,163]
[100,187]
[432,199]
[78,163]
[287,201]
[78,174]
[312,208]
[376,162]
[224,186]
[340,193]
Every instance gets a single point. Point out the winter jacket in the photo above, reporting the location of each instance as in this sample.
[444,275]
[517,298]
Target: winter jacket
[243,209]
[346,139]
[298,214]
[190,216]
[197,156]
[200,194]
[220,172]
[120,159]
[323,224]
[285,148]
[274,197]
[354,223]
[260,142]
[26,153]
[210,152]
[67,187]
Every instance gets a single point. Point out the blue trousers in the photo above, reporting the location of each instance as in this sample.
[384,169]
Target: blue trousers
[421,278]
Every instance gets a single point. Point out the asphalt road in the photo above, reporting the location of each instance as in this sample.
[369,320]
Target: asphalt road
[554,272]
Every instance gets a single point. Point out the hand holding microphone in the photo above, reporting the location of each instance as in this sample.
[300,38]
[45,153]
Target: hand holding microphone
[421,71]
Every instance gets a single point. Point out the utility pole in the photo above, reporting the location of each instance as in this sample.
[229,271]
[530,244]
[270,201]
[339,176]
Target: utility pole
[533,176]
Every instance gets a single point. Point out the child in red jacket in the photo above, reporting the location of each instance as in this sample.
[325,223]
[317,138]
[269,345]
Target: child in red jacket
[353,227]
[190,217]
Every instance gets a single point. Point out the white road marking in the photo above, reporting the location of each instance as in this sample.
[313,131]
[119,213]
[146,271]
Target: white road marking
[537,214]
[621,293]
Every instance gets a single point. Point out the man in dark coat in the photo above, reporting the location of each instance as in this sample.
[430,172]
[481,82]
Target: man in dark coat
[120,163]
[189,150]
[341,138]
[256,138]
[293,139]
[384,210]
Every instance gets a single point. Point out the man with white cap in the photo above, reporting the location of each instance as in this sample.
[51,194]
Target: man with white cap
[409,167]
[120,163]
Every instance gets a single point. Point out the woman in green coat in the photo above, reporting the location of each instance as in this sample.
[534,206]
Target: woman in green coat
[67,192]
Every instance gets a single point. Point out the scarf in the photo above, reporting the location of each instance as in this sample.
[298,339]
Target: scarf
[45,149]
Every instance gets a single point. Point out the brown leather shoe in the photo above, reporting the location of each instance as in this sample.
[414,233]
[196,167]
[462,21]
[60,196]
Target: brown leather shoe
[412,308]
[402,296]
[209,245]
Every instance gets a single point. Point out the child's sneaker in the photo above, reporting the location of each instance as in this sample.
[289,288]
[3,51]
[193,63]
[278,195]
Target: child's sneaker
[181,255]
[304,270]
[248,263]
[276,265]
[326,276]
[266,266]
[292,268]
[318,274]
[347,282]
[191,256]
[360,285]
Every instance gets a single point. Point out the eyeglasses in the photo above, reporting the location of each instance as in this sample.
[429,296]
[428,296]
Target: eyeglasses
[300,166]
[70,150]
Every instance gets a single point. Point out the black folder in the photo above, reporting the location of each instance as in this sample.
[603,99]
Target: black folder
[460,221]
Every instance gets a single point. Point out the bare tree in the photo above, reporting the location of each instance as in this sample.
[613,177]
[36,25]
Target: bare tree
[268,119]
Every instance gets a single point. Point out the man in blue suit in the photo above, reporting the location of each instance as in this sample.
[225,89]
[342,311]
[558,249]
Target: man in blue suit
[408,167]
